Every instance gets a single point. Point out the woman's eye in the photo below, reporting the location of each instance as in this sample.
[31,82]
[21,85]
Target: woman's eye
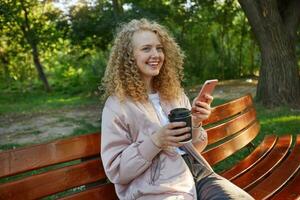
[160,49]
[146,49]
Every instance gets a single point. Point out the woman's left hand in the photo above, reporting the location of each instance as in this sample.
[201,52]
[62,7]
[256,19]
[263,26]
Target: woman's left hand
[201,110]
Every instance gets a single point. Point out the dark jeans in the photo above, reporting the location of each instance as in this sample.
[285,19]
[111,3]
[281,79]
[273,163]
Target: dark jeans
[212,186]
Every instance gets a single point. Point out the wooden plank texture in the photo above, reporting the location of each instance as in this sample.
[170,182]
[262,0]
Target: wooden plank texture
[280,175]
[229,109]
[291,191]
[231,127]
[54,181]
[37,156]
[252,159]
[263,168]
[103,192]
[229,147]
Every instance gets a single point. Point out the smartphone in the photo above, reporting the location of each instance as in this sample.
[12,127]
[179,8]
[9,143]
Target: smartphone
[207,88]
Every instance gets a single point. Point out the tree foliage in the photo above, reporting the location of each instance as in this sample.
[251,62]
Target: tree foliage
[73,45]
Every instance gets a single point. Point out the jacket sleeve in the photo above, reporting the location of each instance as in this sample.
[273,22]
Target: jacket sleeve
[201,141]
[123,159]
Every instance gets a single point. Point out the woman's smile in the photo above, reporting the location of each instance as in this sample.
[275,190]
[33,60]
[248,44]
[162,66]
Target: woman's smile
[153,63]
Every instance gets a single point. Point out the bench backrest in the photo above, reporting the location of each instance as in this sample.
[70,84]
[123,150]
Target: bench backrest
[53,167]
[74,164]
[230,127]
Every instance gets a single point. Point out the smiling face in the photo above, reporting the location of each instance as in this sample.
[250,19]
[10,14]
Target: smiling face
[148,53]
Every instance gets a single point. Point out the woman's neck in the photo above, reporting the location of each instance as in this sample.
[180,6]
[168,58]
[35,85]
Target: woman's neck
[149,86]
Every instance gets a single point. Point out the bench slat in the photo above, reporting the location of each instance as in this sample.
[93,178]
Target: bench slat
[280,175]
[34,157]
[291,191]
[263,168]
[53,181]
[252,159]
[231,127]
[229,109]
[227,148]
[103,192]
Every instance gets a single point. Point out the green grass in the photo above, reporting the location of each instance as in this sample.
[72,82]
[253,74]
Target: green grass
[41,101]
[5,147]
[279,121]
[85,127]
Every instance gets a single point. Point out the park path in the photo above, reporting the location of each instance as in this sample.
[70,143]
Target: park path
[34,128]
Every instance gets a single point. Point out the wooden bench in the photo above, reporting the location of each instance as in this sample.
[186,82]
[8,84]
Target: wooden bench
[271,170]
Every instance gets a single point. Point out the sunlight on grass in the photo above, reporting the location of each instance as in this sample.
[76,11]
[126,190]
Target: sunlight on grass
[280,119]
[41,101]
[64,100]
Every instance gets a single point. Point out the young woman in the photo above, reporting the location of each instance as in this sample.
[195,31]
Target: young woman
[140,149]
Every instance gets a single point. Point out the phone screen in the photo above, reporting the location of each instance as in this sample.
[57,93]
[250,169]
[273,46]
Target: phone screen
[207,88]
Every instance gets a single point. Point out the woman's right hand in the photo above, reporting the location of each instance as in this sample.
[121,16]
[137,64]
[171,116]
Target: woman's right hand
[168,136]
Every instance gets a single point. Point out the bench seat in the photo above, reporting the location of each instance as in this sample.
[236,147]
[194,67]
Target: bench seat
[71,168]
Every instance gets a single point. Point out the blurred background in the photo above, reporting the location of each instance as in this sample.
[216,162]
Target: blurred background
[69,41]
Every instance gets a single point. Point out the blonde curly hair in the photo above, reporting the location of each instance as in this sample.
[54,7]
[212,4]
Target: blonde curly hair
[122,77]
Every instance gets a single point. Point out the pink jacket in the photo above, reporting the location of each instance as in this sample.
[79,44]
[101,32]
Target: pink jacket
[137,167]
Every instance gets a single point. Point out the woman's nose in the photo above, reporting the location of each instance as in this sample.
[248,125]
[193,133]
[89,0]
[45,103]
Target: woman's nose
[155,53]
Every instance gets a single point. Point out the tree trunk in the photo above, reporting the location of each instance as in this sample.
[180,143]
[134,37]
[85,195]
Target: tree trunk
[241,47]
[252,52]
[279,78]
[39,67]
[32,39]
[117,8]
[279,82]
[5,63]
[223,48]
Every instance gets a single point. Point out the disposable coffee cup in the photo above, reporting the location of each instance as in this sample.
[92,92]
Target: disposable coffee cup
[182,115]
